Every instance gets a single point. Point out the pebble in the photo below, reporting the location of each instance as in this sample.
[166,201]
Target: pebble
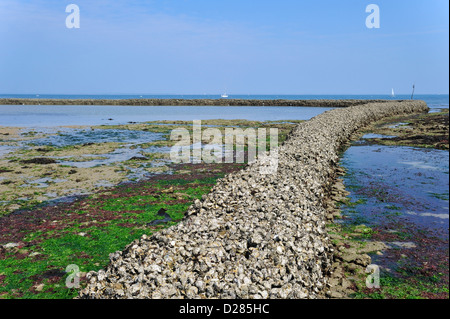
[11,245]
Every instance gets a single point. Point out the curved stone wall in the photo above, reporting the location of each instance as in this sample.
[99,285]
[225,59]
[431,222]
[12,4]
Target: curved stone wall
[187,102]
[253,235]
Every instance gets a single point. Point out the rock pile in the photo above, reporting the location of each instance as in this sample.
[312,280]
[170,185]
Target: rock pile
[253,235]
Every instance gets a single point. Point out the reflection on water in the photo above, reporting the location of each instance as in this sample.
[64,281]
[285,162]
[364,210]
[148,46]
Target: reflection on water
[372,135]
[118,155]
[42,182]
[6,149]
[400,125]
[70,137]
[407,182]
[64,115]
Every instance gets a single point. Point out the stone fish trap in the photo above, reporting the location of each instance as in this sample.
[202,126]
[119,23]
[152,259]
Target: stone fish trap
[269,231]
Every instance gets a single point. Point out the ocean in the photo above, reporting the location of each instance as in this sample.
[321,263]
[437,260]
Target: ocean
[57,115]
[433,100]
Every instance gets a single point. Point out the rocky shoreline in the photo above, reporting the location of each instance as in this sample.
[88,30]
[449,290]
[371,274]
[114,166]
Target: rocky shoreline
[418,130]
[254,235]
[190,102]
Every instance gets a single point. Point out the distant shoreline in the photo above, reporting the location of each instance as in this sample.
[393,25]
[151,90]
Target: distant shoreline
[190,102]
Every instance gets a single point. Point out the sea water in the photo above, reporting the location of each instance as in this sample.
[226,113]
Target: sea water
[59,115]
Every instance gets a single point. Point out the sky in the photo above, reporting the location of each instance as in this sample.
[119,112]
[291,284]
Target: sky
[217,46]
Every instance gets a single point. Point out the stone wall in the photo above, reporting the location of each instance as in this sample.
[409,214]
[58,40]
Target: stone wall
[187,102]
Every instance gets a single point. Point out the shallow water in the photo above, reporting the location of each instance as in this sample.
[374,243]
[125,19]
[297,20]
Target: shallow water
[42,182]
[372,135]
[401,125]
[118,155]
[399,182]
[6,149]
[69,137]
[65,115]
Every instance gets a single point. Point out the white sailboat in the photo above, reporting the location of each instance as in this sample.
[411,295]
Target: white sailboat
[224,95]
[392,93]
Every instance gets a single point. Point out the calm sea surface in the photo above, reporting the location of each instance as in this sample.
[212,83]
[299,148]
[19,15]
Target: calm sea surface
[58,115]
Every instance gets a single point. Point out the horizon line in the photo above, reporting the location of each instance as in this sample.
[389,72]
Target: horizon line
[229,94]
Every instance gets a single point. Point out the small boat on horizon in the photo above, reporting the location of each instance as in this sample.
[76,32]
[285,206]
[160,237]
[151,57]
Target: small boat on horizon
[224,95]
[392,93]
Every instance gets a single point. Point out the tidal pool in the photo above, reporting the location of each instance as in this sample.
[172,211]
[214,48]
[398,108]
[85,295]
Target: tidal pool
[372,135]
[70,137]
[6,149]
[398,182]
[42,164]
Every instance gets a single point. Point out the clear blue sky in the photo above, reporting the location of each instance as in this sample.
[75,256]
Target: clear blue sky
[209,46]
